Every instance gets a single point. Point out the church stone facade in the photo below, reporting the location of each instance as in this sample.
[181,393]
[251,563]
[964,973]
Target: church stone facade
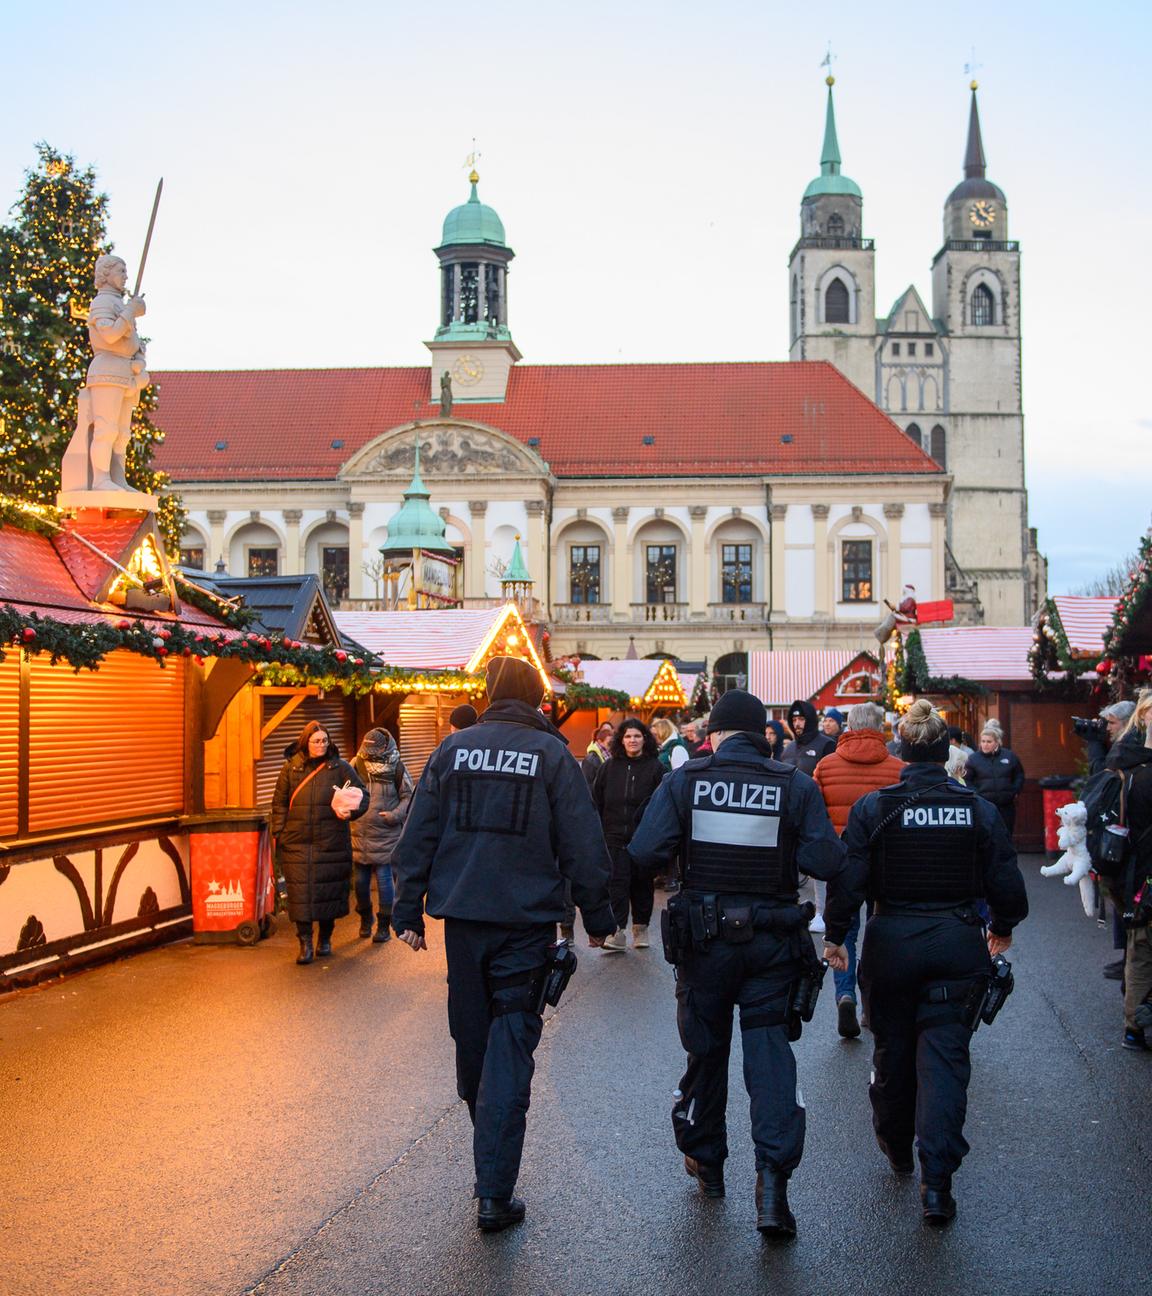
[948,374]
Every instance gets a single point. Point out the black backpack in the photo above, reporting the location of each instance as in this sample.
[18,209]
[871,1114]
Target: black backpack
[1104,795]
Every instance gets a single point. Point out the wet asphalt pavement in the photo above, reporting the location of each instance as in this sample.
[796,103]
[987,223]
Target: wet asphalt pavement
[212,1121]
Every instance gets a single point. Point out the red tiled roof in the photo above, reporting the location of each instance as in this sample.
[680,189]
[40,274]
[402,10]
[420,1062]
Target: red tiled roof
[761,418]
[114,536]
[34,578]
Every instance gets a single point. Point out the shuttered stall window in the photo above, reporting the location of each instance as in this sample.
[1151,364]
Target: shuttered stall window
[333,712]
[423,723]
[9,740]
[105,746]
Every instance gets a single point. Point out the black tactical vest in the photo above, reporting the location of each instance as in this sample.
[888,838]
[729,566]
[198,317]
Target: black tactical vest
[927,851]
[738,841]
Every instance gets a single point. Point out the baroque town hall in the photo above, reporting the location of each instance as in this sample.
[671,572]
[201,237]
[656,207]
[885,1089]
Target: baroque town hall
[697,510]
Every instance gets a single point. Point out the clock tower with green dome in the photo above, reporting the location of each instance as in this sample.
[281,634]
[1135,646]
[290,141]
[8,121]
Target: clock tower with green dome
[831,272]
[473,344]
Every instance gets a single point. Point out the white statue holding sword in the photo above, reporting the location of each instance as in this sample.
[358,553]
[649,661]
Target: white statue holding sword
[117,375]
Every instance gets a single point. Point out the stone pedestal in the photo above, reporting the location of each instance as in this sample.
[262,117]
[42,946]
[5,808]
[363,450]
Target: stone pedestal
[76,501]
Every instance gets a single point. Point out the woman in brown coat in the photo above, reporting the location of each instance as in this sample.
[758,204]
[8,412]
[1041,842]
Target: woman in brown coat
[860,764]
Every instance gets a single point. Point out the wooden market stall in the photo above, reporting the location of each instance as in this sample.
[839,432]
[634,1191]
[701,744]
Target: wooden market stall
[102,699]
[642,687]
[974,673]
[443,653]
[1128,640]
[823,676]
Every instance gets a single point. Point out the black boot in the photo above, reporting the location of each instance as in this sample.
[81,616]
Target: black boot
[899,1158]
[709,1178]
[307,954]
[938,1204]
[365,924]
[773,1218]
[324,946]
[496,1213]
[383,927]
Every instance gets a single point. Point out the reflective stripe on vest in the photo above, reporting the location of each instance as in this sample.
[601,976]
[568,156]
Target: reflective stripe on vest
[738,839]
[928,853]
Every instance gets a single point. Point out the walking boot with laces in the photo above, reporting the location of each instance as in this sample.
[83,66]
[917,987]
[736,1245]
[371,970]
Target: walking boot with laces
[496,1213]
[773,1218]
[709,1178]
[383,928]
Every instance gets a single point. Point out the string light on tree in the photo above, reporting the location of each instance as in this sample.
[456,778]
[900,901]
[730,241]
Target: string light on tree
[47,257]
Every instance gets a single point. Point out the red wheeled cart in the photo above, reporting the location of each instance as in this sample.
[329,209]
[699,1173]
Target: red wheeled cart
[233,895]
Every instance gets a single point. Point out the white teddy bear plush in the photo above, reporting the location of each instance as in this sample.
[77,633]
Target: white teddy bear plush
[1075,862]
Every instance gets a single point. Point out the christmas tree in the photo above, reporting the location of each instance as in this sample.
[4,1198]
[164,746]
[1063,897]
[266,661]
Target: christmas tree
[47,258]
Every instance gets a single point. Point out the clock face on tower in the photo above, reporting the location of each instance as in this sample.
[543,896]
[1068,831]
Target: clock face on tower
[982,214]
[468,371]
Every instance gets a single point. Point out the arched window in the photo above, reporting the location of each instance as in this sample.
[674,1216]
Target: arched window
[913,431]
[836,225]
[836,303]
[983,305]
[938,450]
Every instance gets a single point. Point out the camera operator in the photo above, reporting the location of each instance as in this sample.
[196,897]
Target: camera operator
[1100,735]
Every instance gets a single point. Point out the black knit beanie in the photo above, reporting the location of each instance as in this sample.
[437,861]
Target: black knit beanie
[464,716]
[737,711]
[510,677]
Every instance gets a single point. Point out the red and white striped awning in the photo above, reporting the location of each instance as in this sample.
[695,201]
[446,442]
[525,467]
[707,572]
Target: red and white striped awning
[978,653]
[1085,621]
[434,639]
[781,678]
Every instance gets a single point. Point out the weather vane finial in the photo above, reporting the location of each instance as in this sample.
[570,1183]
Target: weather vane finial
[826,62]
[971,68]
[471,160]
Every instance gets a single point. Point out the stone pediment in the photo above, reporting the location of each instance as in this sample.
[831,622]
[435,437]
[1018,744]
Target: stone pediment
[448,448]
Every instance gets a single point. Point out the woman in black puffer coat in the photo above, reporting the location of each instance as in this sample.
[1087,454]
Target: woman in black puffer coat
[996,773]
[632,772]
[313,843]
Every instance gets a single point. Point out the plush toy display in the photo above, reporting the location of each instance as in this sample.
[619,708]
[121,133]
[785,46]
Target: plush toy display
[1075,862]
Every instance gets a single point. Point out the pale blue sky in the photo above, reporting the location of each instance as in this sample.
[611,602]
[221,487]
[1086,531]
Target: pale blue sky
[647,161]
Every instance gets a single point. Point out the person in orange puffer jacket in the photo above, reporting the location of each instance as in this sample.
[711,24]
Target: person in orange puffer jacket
[860,764]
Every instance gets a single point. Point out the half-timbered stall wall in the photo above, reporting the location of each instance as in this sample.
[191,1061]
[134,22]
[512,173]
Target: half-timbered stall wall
[99,744]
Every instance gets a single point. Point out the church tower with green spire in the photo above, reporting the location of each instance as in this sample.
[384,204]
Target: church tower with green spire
[473,343]
[831,272]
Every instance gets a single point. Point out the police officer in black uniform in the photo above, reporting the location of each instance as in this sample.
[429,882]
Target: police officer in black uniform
[745,827]
[931,848]
[502,817]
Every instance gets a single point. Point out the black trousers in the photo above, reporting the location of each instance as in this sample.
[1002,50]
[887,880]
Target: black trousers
[494,1063]
[921,1066]
[758,976]
[630,888]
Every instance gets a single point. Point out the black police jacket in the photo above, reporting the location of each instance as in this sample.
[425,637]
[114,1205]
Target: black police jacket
[501,817]
[666,828]
[1003,884]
